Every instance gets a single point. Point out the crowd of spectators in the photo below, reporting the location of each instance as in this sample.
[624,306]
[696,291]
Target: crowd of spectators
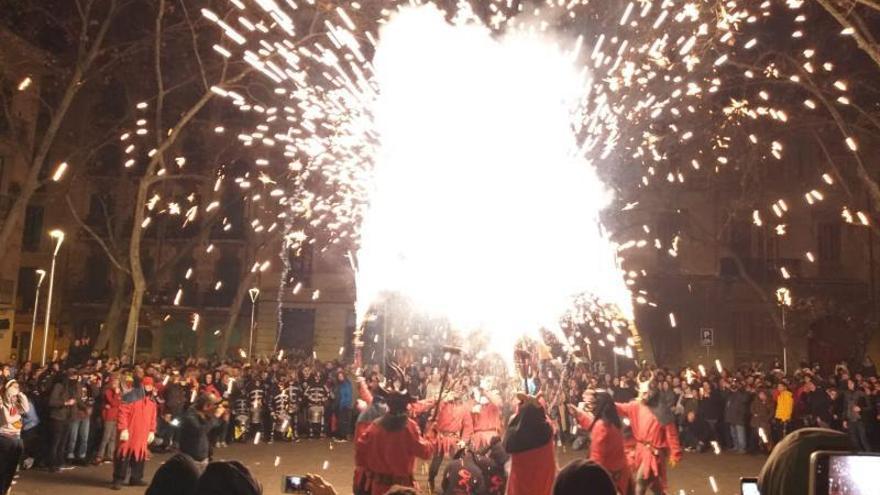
[73,403]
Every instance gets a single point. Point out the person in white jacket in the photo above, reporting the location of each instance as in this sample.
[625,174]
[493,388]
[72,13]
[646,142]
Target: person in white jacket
[13,404]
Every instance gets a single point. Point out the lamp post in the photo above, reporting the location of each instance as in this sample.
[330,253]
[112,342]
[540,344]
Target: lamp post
[783,297]
[59,239]
[255,294]
[42,274]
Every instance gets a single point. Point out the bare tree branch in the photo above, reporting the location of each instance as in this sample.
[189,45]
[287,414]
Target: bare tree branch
[97,238]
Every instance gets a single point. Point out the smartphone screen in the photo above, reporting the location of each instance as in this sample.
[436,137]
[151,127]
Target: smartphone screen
[294,484]
[853,474]
[749,486]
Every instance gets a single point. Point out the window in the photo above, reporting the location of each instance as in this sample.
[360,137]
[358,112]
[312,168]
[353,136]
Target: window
[33,228]
[829,243]
[740,238]
[27,288]
[100,209]
[300,267]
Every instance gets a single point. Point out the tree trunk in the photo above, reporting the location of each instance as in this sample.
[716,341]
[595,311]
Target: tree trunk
[113,318]
[157,331]
[241,293]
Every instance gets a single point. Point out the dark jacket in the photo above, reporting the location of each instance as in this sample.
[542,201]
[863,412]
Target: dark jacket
[175,399]
[61,393]
[736,407]
[711,408]
[194,430]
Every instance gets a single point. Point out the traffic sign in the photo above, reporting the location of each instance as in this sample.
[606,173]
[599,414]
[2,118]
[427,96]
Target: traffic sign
[707,337]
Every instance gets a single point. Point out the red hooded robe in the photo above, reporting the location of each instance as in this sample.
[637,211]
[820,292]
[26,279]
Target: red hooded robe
[651,437]
[387,451]
[607,449]
[529,440]
[139,418]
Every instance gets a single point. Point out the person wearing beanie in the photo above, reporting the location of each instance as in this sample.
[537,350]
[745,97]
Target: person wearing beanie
[137,428]
[179,475]
[584,476]
[787,470]
[529,441]
[227,478]
[13,404]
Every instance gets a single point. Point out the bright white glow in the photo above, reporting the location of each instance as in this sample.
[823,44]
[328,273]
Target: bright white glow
[481,210]
[59,172]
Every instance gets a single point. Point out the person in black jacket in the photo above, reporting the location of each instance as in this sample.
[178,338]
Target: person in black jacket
[196,427]
[736,410]
[62,403]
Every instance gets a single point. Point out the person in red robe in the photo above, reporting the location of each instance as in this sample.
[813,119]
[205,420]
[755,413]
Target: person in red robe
[386,451]
[486,418]
[136,425]
[606,438]
[655,436]
[529,441]
[451,431]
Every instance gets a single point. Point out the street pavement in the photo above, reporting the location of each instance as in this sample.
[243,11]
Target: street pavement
[333,461]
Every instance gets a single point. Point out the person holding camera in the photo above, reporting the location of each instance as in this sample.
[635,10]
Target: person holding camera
[13,404]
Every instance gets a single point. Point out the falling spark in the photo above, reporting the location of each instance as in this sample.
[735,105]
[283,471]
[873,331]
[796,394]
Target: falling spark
[713,484]
[59,172]
[672,322]
[718,366]
[25,83]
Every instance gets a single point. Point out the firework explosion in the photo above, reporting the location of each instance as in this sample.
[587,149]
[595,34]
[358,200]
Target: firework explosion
[469,148]
[481,209]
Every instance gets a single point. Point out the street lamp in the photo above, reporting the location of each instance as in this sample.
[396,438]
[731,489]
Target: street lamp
[42,274]
[59,239]
[783,297]
[255,294]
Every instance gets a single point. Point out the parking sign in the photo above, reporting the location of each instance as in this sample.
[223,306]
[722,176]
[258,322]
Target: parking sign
[707,337]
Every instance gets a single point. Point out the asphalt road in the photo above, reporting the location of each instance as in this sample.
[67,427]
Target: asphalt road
[334,462]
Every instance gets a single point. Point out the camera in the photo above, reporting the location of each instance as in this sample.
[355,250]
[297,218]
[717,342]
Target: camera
[294,484]
[850,473]
[749,486]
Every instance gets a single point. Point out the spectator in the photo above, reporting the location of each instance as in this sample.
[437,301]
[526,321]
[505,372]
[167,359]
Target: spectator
[762,413]
[711,408]
[344,401]
[80,425]
[855,404]
[109,414]
[787,470]
[736,410]
[695,434]
[12,405]
[62,402]
[227,478]
[784,410]
[582,477]
[179,475]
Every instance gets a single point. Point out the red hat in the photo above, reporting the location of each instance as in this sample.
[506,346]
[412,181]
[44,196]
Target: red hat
[148,380]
